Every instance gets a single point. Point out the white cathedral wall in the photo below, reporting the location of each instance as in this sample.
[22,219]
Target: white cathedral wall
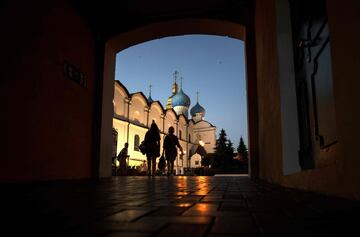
[119,101]
[182,127]
[206,133]
[209,138]
[182,159]
[121,128]
[210,148]
[199,131]
[170,120]
[190,132]
[155,114]
[136,157]
[162,136]
[137,110]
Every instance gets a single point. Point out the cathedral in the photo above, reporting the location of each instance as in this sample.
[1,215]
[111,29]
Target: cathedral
[134,113]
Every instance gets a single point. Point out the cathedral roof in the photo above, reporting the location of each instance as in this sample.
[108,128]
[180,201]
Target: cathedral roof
[150,100]
[169,103]
[197,109]
[180,99]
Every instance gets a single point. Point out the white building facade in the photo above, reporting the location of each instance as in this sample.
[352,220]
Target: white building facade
[134,113]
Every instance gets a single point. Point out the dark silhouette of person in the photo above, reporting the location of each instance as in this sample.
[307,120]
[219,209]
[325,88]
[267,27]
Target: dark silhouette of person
[171,141]
[123,155]
[162,163]
[152,143]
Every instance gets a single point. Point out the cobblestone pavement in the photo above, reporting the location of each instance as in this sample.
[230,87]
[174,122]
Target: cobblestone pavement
[173,206]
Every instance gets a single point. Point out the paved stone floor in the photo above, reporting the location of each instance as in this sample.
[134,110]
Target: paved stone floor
[173,206]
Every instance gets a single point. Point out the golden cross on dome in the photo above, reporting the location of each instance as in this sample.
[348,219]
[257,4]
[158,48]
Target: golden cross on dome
[176,74]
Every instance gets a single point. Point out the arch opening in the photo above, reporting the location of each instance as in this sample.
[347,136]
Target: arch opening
[151,32]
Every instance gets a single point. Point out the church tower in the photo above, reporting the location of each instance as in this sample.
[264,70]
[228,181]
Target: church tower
[174,91]
[197,112]
[181,102]
[149,98]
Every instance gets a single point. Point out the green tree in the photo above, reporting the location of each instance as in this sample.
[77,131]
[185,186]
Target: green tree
[221,143]
[230,147]
[206,160]
[242,150]
[223,151]
[229,153]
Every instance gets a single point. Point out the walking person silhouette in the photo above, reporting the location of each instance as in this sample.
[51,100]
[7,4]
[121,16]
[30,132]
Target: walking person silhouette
[152,144]
[123,155]
[171,141]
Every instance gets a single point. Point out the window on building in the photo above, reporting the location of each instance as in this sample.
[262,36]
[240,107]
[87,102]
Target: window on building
[180,133]
[197,162]
[189,138]
[136,142]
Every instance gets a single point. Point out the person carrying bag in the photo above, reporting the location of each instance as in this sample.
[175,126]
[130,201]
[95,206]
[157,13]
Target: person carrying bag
[162,162]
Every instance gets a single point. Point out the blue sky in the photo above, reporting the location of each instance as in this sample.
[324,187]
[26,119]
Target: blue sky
[212,65]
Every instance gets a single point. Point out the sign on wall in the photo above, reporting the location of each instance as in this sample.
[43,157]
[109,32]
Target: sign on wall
[74,74]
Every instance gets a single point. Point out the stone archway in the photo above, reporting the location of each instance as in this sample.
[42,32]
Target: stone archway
[175,28]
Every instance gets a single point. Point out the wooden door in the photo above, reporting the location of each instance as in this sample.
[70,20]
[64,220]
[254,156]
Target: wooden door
[313,77]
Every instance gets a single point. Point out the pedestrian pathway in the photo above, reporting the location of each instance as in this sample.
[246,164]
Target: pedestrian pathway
[173,206]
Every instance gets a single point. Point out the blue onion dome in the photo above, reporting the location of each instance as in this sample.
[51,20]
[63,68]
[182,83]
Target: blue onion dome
[197,109]
[180,99]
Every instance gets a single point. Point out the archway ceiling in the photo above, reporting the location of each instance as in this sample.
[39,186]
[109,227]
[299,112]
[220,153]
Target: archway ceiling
[108,18]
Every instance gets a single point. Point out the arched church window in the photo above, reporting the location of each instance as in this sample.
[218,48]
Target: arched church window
[189,138]
[136,142]
[180,134]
